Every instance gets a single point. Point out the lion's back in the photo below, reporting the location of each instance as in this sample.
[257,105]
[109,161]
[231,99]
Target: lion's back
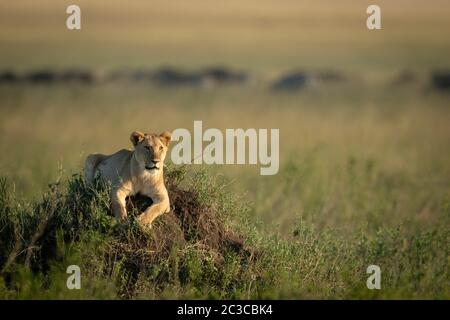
[113,168]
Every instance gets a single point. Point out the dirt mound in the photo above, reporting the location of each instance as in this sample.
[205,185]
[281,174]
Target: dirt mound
[189,224]
[75,212]
[190,221]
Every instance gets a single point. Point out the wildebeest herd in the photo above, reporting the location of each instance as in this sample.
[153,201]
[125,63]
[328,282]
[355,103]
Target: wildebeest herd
[208,77]
[162,77]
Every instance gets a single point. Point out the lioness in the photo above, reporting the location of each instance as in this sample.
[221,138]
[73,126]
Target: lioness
[131,172]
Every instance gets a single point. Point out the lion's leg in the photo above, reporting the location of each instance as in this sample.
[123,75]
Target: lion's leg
[118,204]
[154,211]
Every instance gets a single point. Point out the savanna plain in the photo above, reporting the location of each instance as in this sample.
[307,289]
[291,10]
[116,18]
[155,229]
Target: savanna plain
[364,175]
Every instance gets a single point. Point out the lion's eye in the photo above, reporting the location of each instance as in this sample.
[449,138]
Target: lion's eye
[161,148]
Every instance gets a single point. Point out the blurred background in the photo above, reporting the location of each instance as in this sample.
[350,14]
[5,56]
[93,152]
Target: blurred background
[363,115]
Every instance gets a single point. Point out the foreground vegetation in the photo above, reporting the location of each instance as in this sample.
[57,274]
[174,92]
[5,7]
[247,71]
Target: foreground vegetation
[207,247]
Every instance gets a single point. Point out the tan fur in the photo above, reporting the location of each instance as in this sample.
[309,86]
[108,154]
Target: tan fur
[131,172]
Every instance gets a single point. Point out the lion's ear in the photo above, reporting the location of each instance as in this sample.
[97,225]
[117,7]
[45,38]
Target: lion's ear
[136,137]
[165,137]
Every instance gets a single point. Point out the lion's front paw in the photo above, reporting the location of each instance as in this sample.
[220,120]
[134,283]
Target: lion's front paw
[144,221]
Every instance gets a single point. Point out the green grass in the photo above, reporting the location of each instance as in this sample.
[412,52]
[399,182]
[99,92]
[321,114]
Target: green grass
[121,261]
[364,179]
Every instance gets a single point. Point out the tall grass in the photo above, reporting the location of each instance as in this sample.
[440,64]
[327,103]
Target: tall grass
[180,258]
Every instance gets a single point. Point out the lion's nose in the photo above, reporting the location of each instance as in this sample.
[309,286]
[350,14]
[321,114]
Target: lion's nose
[155,161]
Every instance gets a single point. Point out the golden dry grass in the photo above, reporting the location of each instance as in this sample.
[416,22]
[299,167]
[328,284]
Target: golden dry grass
[260,35]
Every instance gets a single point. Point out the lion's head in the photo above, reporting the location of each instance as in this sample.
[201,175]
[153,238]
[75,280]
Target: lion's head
[150,149]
